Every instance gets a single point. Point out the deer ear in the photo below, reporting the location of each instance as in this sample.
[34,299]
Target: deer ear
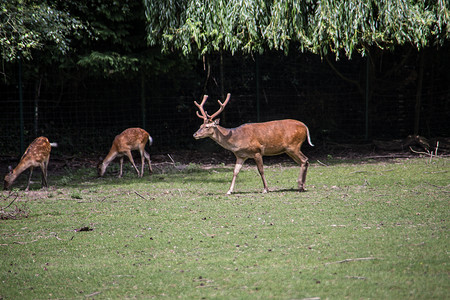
[216,121]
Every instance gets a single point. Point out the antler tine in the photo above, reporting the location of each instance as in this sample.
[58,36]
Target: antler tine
[203,115]
[222,106]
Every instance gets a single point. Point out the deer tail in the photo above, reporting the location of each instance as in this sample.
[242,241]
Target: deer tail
[309,138]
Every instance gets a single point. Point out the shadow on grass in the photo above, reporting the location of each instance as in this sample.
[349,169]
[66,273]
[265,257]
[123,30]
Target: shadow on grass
[271,191]
[88,178]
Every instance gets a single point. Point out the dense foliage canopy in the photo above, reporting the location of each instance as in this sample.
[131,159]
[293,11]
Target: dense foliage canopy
[342,27]
[105,37]
[26,25]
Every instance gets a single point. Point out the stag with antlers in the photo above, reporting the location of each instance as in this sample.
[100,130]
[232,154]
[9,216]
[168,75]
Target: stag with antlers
[255,140]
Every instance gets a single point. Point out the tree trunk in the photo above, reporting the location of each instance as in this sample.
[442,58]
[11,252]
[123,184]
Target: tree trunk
[143,100]
[37,95]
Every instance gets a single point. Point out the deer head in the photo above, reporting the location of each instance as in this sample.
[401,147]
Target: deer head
[209,124]
[9,178]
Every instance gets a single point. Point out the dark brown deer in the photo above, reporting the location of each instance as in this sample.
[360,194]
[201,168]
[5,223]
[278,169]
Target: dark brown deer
[36,155]
[255,140]
[130,139]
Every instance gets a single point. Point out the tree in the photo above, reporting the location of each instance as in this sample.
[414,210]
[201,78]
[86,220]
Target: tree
[341,27]
[27,25]
[117,45]
[325,27]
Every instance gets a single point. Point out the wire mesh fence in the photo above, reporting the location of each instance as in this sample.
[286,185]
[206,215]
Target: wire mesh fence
[84,116]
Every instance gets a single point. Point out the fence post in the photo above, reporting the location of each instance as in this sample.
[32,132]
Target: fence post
[143,100]
[419,93]
[366,135]
[22,129]
[258,95]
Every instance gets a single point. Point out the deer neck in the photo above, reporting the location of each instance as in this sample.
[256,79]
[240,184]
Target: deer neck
[22,166]
[224,137]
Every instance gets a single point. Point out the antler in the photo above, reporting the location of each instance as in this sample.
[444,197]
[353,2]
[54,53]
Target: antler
[222,106]
[204,115]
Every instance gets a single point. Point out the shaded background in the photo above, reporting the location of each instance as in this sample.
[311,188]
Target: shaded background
[83,113]
[88,73]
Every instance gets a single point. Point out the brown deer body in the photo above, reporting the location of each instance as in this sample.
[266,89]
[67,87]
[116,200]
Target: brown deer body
[129,140]
[36,155]
[255,140]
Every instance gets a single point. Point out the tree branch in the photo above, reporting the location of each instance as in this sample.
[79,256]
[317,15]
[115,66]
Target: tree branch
[345,78]
[351,260]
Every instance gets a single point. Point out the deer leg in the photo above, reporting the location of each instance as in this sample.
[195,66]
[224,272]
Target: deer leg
[44,166]
[147,157]
[142,162]
[302,160]
[237,167]
[302,176]
[259,163]
[121,165]
[130,157]
[29,179]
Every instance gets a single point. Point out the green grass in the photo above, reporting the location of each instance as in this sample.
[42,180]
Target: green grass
[374,230]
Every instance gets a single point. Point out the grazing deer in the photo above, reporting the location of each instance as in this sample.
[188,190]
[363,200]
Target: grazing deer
[130,139]
[254,140]
[36,155]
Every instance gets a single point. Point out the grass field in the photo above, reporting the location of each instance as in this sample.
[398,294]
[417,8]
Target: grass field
[363,230]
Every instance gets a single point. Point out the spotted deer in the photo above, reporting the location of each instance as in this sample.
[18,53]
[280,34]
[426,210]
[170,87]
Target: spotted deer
[129,140]
[36,155]
[255,140]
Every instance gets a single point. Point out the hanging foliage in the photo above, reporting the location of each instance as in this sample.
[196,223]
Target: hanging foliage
[341,27]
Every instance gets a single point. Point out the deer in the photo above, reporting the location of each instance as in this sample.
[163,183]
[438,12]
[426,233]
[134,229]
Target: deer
[130,139]
[36,155]
[255,140]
